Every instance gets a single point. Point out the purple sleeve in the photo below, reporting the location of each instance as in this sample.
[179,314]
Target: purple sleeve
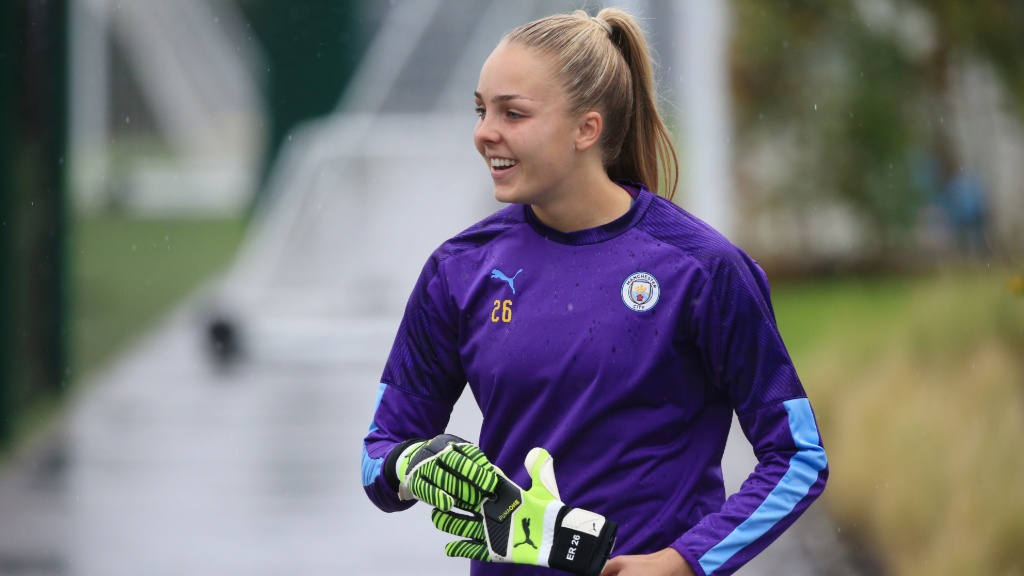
[422,380]
[734,326]
[399,416]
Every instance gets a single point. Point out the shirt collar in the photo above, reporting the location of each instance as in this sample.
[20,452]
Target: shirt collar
[642,198]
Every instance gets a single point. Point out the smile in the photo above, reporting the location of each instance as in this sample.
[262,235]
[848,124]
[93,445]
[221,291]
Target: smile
[502,163]
[503,168]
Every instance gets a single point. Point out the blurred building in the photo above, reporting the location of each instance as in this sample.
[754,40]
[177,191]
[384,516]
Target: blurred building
[988,135]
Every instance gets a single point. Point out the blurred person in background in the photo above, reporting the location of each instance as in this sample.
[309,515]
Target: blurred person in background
[595,319]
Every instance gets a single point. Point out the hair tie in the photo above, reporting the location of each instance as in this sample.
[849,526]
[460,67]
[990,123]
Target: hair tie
[604,24]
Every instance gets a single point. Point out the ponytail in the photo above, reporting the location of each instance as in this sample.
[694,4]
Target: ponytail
[604,64]
[647,154]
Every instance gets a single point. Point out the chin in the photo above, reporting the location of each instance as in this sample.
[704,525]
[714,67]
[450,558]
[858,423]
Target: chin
[510,195]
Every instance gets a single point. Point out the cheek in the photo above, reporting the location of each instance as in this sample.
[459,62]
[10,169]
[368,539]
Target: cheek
[549,152]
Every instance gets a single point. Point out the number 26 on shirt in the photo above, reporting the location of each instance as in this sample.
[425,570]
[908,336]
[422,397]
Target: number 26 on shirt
[504,308]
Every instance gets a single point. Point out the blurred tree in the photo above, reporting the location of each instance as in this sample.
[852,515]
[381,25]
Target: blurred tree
[857,88]
[313,48]
[991,28]
[33,104]
[7,73]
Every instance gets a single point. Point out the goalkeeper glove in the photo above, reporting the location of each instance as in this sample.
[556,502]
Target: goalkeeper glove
[444,472]
[531,526]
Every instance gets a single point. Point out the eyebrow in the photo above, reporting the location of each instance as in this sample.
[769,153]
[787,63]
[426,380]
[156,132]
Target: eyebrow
[503,97]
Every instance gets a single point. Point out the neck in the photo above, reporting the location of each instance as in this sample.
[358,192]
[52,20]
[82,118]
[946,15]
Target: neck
[588,202]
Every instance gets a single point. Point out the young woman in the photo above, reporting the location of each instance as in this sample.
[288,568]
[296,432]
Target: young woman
[594,318]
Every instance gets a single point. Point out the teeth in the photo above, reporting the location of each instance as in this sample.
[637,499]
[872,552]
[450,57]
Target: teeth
[502,162]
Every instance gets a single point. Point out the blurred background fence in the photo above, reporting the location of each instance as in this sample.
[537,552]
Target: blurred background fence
[869,153]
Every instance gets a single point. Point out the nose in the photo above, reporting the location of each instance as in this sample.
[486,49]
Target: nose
[486,131]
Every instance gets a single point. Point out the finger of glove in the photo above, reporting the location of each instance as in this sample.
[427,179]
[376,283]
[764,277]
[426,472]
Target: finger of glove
[477,456]
[461,482]
[423,489]
[540,465]
[481,476]
[471,508]
[458,525]
[462,505]
[474,453]
[472,549]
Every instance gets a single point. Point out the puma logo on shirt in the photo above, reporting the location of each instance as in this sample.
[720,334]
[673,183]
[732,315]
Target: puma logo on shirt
[501,276]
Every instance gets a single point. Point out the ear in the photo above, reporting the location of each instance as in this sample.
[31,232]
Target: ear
[588,129]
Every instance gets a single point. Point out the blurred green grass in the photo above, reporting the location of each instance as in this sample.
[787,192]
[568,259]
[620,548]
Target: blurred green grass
[127,273]
[918,386]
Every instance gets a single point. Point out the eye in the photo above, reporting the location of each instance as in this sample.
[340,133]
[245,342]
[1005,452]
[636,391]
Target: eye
[514,115]
[480,111]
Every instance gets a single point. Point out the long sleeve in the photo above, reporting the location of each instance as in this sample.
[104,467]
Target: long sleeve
[422,380]
[733,324]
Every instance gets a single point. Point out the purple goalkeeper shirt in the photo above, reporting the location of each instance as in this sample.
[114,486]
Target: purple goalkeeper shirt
[623,350]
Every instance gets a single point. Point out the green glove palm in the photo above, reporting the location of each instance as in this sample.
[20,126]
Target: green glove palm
[531,526]
[444,472]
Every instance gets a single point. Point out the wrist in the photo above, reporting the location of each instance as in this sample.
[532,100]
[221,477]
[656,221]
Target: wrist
[679,565]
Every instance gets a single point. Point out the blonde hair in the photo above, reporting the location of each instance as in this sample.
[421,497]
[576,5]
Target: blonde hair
[603,63]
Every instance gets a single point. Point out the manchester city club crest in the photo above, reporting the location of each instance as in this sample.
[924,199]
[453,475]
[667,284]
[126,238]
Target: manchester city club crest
[640,291]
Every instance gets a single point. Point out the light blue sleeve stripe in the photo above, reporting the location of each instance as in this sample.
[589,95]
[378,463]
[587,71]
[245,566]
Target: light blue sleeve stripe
[380,394]
[372,466]
[803,471]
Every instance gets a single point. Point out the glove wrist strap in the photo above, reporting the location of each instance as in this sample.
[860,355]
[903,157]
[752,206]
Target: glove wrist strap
[391,463]
[583,542]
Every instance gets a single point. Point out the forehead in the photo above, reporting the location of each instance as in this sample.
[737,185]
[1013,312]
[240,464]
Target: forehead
[512,69]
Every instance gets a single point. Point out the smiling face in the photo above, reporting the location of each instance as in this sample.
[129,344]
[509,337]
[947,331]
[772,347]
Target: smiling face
[524,132]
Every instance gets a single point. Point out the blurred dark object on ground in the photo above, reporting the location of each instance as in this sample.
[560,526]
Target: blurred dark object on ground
[224,341]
